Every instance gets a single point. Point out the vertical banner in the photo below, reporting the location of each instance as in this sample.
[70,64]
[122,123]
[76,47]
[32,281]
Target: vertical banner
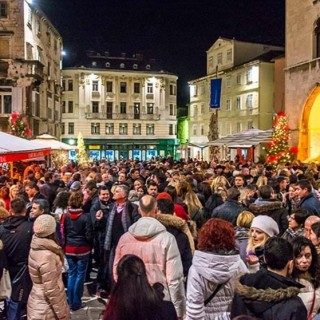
[215,93]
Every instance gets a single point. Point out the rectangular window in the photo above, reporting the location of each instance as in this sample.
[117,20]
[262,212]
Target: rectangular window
[228,128]
[239,103]
[228,81]
[62,128]
[170,129]
[3,9]
[136,87]
[70,85]
[202,130]
[29,21]
[123,128]
[95,128]
[63,107]
[70,128]
[95,107]
[109,128]
[249,101]
[229,55]
[109,110]
[136,129]
[219,58]
[95,85]
[149,108]
[150,129]
[210,62]
[202,109]
[49,38]
[250,124]
[149,87]
[249,75]
[6,103]
[109,86]
[70,106]
[239,79]
[123,87]
[194,130]
[172,90]
[136,110]
[171,112]
[123,107]
[239,126]
[228,105]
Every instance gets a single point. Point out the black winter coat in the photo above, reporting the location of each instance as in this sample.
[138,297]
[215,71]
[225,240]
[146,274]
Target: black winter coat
[267,295]
[228,211]
[16,235]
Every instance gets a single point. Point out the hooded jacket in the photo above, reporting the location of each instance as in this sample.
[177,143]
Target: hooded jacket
[228,211]
[149,240]
[311,204]
[179,229]
[47,299]
[273,209]
[267,295]
[208,270]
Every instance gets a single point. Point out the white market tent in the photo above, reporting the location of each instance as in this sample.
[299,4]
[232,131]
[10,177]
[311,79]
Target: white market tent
[13,148]
[243,139]
[49,141]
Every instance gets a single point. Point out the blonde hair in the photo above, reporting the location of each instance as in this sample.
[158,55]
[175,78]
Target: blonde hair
[262,181]
[251,246]
[244,219]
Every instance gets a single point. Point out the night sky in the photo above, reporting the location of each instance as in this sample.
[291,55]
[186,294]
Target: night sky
[178,32]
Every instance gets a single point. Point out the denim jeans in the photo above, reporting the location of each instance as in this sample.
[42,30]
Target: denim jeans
[14,309]
[76,278]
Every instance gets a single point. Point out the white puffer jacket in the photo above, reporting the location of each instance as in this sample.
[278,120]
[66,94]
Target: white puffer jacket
[307,293]
[207,271]
[149,240]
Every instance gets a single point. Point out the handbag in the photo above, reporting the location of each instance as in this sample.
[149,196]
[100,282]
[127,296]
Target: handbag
[21,285]
[5,285]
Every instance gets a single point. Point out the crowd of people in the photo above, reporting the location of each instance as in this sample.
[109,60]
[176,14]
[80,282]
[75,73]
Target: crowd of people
[168,240]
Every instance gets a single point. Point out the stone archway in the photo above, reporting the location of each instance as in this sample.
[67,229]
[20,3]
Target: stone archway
[309,137]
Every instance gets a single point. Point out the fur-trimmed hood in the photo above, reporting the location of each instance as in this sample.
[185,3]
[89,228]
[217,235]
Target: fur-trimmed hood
[169,220]
[265,206]
[264,289]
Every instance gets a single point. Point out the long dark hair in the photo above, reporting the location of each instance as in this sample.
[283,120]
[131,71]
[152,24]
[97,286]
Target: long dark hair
[132,297]
[298,245]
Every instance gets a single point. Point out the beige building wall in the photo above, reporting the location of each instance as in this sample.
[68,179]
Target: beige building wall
[302,72]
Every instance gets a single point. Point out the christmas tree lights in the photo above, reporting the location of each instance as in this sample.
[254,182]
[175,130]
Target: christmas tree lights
[82,156]
[18,125]
[278,149]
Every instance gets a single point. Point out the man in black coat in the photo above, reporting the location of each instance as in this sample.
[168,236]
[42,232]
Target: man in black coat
[229,210]
[270,294]
[16,235]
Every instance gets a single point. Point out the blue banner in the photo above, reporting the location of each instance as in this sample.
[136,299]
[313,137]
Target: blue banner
[215,93]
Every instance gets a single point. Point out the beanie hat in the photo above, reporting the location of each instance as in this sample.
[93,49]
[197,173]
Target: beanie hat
[44,225]
[180,212]
[164,195]
[265,224]
[75,186]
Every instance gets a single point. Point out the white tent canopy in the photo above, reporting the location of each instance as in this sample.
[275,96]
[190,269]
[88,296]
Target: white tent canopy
[51,142]
[13,148]
[244,139]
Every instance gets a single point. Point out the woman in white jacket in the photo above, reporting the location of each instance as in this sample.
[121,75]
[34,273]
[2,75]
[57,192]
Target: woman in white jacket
[215,265]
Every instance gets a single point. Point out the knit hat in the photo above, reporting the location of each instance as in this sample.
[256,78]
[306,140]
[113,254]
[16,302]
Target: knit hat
[164,195]
[180,212]
[75,186]
[44,225]
[265,224]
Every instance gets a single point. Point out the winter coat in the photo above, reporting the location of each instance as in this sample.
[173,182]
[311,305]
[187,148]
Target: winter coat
[311,204]
[213,202]
[228,211]
[273,209]
[307,294]
[242,238]
[149,240]
[78,232]
[267,295]
[47,299]
[208,270]
[16,235]
[179,229]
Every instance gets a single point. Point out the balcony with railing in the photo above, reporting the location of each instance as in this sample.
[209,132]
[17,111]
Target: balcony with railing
[122,116]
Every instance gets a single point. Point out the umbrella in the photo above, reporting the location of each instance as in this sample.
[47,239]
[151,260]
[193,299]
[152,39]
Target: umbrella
[53,143]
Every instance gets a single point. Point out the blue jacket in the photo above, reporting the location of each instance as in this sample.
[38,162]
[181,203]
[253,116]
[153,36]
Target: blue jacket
[228,211]
[311,204]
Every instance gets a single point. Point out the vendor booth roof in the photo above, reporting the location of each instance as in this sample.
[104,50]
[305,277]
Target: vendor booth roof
[243,139]
[13,148]
[48,141]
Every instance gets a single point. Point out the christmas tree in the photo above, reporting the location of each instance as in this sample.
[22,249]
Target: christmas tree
[82,156]
[278,148]
[18,125]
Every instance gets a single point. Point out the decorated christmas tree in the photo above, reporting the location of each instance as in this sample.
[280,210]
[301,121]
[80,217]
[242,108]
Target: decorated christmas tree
[82,156]
[278,149]
[18,125]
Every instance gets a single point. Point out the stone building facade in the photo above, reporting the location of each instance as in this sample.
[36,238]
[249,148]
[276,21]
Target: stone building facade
[302,76]
[30,67]
[124,106]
